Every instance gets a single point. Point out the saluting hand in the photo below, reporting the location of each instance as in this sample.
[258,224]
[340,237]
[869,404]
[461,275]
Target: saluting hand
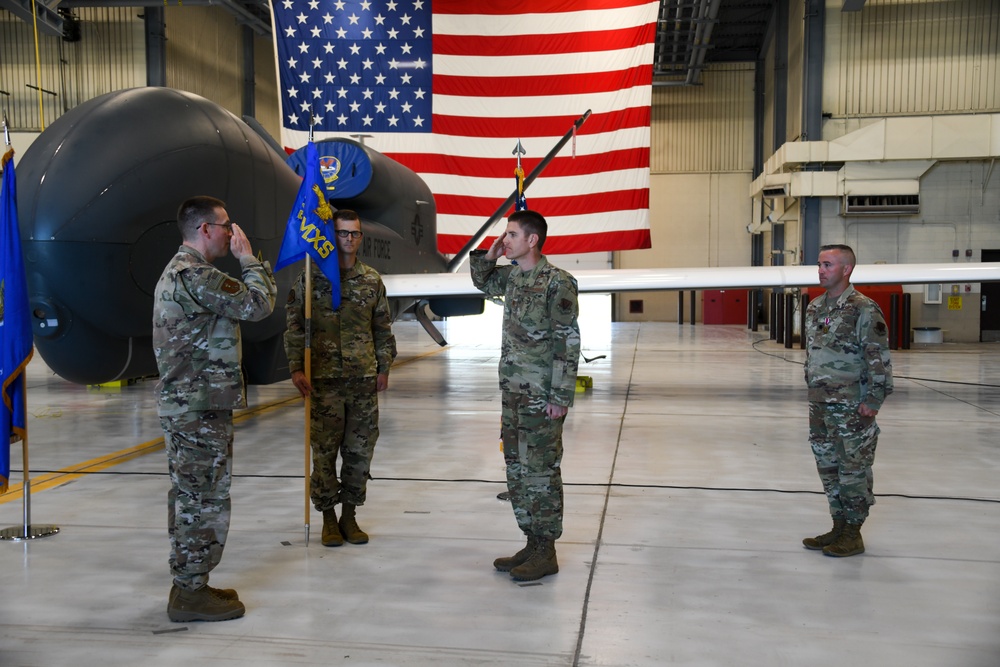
[496,250]
[239,244]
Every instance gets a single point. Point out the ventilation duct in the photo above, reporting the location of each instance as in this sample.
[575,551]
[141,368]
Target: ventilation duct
[774,191]
[881,204]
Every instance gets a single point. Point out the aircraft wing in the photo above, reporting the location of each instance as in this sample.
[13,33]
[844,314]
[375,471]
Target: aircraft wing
[699,278]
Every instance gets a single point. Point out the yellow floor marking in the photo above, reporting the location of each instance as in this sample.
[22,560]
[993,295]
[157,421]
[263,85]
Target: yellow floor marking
[58,478]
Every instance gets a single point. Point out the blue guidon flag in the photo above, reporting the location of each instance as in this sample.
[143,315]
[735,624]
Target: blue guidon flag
[16,345]
[310,226]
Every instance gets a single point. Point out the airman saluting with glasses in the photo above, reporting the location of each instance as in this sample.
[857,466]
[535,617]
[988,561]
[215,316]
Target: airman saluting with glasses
[196,340]
[352,350]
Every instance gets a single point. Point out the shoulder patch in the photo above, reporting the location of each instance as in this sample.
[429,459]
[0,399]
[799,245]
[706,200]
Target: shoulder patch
[230,286]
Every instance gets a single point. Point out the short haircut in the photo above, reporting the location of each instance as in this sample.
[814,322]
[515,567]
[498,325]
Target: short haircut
[532,222]
[345,214]
[195,212]
[845,249]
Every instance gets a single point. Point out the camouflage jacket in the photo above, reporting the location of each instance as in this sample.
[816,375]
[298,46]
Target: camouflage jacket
[541,337]
[353,341]
[196,331]
[847,350]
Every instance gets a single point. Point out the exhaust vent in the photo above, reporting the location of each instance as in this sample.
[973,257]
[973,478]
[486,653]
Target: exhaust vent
[774,191]
[881,205]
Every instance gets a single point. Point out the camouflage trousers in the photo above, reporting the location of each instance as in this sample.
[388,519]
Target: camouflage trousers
[532,451]
[344,421]
[199,448]
[843,443]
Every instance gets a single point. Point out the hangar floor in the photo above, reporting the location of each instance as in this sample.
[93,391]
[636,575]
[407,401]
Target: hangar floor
[689,485]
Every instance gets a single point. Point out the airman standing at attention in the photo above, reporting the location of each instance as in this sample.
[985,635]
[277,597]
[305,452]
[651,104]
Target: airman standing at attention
[196,340]
[849,375]
[352,351]
[538,363]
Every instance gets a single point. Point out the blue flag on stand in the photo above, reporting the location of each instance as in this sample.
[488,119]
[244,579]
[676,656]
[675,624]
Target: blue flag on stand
[15,325]
[310,226]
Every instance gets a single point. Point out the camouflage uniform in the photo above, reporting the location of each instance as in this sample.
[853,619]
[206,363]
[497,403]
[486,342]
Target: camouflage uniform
[538,363]
[350,346]
[847,364]
[196,339]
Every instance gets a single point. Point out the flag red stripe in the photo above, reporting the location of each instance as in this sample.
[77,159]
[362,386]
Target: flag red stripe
[561,245]
[431,163]
[599,202]
[529,86]
[509,7]
[530,45]
[545,126]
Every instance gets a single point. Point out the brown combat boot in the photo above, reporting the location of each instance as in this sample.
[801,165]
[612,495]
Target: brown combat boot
[849,543]
[349,526]
[224,593]
[202,605]
[331,530]
[507,564]
[540,563]
[826,539]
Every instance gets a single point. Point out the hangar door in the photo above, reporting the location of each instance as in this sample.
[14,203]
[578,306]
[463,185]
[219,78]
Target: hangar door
[989,311]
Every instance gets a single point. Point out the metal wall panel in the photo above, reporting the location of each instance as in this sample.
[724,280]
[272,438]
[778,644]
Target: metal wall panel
[706,128]
[796,68]
[205,54]
[110,55]
[901,57]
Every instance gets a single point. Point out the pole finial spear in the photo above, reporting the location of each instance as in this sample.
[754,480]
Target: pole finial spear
[521,202]
[519,151]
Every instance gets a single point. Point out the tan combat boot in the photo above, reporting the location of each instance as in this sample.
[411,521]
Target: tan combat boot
[826,539]
[202,605]
[542,562]
[507,564]
[331,530]
[849,543]
[349,526]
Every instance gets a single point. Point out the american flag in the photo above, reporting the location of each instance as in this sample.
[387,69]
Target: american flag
[449,90]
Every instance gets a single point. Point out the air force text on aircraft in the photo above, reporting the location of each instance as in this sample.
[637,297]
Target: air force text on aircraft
[376,248]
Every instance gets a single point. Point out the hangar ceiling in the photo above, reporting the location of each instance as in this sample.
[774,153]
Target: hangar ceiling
[690,34]
[693,34]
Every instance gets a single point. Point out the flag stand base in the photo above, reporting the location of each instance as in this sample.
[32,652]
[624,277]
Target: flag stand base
[19,533]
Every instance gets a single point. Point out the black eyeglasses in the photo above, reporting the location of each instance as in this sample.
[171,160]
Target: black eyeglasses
[227,225]
[344,233]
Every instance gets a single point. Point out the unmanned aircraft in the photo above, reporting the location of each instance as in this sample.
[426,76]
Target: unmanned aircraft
[98,195]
